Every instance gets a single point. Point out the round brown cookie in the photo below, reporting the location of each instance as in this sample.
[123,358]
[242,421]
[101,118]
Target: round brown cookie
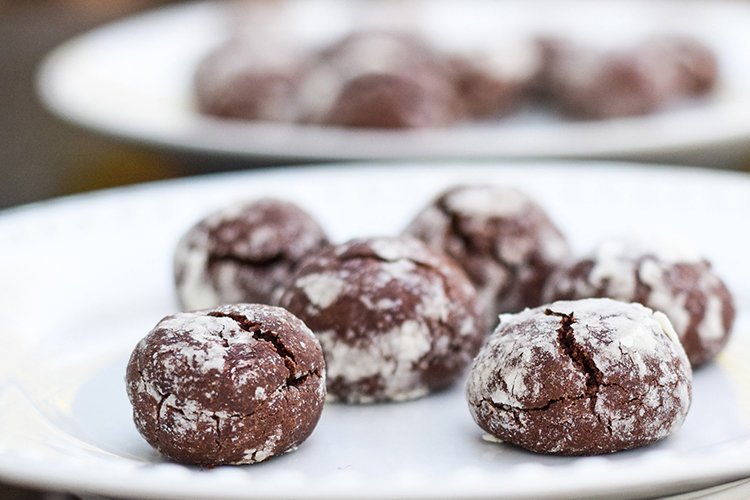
[585,83]
[376,78]
[251,79]
[686,66]
[492,81]
[396,320]
[503,240]
[243,253]
[233,385]
[484,94]
[662,276]
[581,378]
[420,99]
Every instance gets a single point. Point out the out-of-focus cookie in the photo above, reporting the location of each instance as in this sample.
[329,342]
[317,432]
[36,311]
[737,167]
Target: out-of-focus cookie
[662,275]
[243,253]
[504,241]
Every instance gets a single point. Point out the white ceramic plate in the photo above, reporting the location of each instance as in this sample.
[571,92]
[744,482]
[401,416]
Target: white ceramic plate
[133,79]
[83,278]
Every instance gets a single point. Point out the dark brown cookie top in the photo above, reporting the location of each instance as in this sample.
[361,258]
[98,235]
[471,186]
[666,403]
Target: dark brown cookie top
[663,276]
[395,319]
[243,253]
[236,384]
[504,241]
[581,378]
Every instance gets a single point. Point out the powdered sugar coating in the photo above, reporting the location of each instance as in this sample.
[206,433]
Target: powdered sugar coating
[493,79]
[243,253]
[587,83]
[662,275]
[254,76]
[400,321]
[376,78]
[232,385]
[581,378]
[503,240]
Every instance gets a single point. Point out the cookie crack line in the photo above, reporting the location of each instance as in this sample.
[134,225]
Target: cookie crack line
[516,410]
[470,245]
[454,223]
[548,404]
[224,340]
[217,423]
[159,408]
[267,336]
[471,248]
[582,359]
[164,397]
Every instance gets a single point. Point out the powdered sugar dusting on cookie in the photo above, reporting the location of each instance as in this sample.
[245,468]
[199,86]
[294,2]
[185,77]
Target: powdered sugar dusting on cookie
[204,384]
[671,278]
[504,241]
[581,377]
[402,313]
[488,201]
[191,259]
[390,355]
[667,248]
[321,289]
[243,253]
[393,249]
[712,327]
[400,270]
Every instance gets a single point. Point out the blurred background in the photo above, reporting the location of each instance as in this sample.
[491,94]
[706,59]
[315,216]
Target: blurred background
[41,156]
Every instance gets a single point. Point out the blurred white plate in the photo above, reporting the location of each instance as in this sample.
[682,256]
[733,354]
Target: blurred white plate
[132,79]
[83,278]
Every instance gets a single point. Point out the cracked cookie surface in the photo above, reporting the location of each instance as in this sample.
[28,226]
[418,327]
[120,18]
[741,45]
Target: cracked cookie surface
[504,241]
[233,385]
[396,319]
[661,275]
[241,254]
[581,378]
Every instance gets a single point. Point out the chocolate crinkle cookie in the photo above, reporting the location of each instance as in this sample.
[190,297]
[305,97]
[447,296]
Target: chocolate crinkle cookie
[581,378]
[504,241]
[494,79]
[243,253]
[250,78]
[396,319]
[665,276]
[378,78]
[233,385]
[588,83]
[685,65]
